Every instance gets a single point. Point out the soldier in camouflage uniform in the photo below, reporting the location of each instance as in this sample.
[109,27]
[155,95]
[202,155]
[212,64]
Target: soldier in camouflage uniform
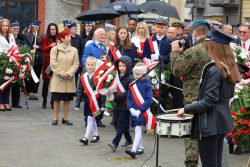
[189,65]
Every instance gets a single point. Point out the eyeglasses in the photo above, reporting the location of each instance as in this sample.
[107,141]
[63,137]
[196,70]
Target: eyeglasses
[242,32]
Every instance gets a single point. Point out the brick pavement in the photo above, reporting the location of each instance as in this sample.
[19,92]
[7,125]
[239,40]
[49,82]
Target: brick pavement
[29,140]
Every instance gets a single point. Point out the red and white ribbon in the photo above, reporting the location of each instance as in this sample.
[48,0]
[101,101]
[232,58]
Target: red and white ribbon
[103,78]
[150,63]
[116,54]
[94,107]
[149,117]
[4,85]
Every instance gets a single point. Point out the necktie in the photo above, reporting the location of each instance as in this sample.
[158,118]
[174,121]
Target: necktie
[101,46]
[244,45]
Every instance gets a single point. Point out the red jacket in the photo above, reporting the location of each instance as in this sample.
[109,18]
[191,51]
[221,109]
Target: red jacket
[46,47]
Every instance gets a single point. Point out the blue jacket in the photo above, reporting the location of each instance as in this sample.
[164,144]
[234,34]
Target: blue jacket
[132,53]
[146,91]
[164,48]
[94,50]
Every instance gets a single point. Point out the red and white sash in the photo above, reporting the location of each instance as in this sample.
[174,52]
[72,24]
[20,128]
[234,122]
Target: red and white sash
[149,117]
[117,85]
[103,78]
[153,48]
[116,54]
[94,107]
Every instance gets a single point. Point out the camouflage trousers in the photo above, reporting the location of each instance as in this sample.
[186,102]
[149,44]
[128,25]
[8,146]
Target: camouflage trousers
[191,152]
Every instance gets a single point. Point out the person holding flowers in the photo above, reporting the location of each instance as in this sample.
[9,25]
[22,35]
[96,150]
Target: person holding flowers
[92,101]
[7,40]
[64,63]
[121,114]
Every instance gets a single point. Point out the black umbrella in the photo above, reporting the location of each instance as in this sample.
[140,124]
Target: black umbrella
[98,14]
[125,7]
[160,8]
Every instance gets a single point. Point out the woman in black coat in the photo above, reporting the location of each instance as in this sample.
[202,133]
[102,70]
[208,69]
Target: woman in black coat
[212,117]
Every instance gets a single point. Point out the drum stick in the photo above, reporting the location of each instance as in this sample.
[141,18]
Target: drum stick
[166,111]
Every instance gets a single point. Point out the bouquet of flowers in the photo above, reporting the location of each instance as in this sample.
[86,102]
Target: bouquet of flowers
[15,65]
[239,53]
[241,118]
[104,77]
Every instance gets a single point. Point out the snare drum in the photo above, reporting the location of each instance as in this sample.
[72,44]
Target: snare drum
[171,125]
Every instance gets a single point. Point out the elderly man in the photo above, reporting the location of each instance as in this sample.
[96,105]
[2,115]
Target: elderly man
[244,36]
[171,33]
[228,28]
[96,48]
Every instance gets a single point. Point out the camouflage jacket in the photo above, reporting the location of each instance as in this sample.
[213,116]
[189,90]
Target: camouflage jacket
[189,65]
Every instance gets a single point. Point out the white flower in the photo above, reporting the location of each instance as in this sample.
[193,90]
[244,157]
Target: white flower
[243,54]
[8,71]
[6,77]
[110,77]
[151,74]
[162,77]
[154,81]
[108,80]
[163,81]
[236,97]
[157,86]
[21,75]
[103,91]
[27,60]
[101,72]
[237,91]
[109,64]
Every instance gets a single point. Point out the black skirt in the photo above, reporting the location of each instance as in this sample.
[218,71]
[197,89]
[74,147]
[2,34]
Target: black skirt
[62,96]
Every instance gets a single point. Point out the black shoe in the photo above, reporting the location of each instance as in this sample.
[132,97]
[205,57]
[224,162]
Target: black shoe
[84,140]
[67,122]
[8,109]
[130,153]
[3,110]
[238,151]
[44,106]
[112,146]
[139,151]
[95,139]
[16,106]
[126,144]
[55,122]
[99,124]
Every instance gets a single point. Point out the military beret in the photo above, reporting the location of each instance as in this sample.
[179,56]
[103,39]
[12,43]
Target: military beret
[15,25]
[72,25]
[218,35]
[161,20]
[198,23]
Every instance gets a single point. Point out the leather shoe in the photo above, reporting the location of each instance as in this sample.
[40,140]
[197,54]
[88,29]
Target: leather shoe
[130,153]
[139,151]
[16,106]
[126,144]
[54,122]
[84,140]
[95,139]
[100,124]
[3,110]
[44,106]
[66,122]
[112,146]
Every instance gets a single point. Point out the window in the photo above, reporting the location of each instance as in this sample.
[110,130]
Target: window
[24,11]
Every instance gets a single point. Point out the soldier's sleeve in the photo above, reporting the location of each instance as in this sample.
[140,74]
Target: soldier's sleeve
[181,64]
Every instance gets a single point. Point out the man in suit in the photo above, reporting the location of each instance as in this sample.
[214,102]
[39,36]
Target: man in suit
[244,36]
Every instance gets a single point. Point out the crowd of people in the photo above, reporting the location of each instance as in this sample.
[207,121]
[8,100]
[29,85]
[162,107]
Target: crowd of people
[203,67]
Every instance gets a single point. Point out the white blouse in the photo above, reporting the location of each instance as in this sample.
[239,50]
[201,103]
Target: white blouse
[5,45]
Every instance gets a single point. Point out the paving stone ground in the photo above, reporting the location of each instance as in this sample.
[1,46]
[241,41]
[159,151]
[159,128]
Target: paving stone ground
[27,139]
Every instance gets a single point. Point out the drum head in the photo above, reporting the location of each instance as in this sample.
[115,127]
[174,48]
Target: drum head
[173,118]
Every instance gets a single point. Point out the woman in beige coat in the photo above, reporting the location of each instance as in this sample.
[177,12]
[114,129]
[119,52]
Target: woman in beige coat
[64,63]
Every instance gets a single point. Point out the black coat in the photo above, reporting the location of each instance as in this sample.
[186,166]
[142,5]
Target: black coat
[211,112]
[77,42]
[121,98]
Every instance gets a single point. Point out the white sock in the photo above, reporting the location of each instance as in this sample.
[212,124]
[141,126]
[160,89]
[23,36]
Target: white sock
[95,130]
[138,137]
[89,126]
[141,144]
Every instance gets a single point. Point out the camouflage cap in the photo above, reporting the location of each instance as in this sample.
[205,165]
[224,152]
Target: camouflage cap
[198,23]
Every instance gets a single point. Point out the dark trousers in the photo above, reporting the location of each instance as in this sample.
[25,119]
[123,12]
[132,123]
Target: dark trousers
[45,90]
[31,86]
[122,127]
[15,94]
[5,96]
[177,101]
[77,74]
[210,149]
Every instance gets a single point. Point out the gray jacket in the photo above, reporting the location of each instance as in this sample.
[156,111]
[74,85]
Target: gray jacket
[211,112]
